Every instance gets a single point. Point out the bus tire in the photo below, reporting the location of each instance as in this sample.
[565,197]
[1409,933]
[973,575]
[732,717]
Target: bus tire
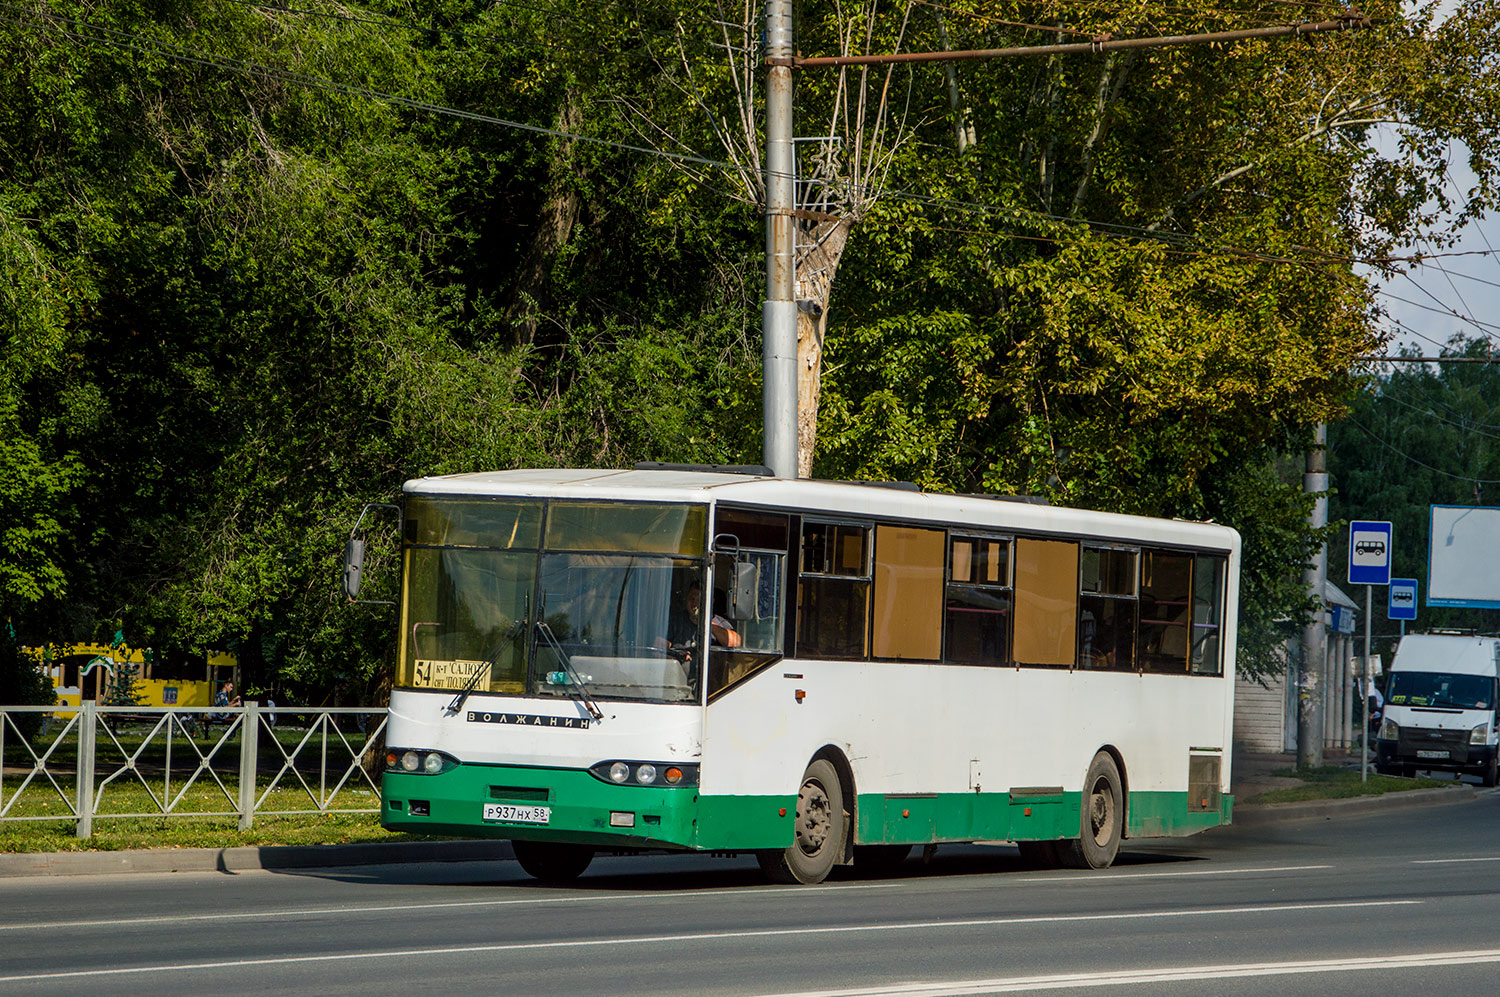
[1102,821]
[880,859]
[552,862]
[1040,854]
[820,830]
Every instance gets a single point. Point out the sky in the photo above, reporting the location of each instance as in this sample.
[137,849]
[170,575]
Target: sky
[1451,294]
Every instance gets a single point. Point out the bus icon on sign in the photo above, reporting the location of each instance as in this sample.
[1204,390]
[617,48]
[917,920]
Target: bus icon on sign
[1401,597]
[1370,548]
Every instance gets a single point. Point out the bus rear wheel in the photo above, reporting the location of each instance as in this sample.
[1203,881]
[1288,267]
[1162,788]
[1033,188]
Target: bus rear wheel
[552,862]
[1102,822]
[820,830]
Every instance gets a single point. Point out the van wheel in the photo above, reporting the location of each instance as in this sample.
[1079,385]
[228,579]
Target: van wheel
[1491,775]
[552,862]
[1102,822]
[821,824]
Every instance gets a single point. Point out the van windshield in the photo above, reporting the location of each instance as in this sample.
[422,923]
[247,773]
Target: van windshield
[1461,692]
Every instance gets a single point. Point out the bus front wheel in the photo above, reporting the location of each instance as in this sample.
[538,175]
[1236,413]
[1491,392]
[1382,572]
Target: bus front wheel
[552,862]
[820,830]
[1103,819]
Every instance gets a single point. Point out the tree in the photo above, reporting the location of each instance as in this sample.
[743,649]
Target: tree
[1418,435]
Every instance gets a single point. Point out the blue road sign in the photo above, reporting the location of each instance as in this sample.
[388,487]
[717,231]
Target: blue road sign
[1402,595]
[1369,553]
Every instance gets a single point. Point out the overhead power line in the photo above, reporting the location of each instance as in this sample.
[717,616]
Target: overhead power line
[1103,43]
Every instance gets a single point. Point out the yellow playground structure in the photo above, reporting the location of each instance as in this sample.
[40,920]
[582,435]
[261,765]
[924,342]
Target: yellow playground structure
[95,670]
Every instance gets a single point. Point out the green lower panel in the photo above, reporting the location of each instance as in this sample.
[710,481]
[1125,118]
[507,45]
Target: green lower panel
[925,818]
[736,823]
[580,806]
[581,809]
[1154,815]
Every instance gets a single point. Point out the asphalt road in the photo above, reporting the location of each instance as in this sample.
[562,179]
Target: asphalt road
[1394,902]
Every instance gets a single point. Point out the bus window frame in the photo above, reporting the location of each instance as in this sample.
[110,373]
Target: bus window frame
[1007,659]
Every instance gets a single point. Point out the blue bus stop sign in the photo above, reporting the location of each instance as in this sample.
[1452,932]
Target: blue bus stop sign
[1369,553]
[1402,604]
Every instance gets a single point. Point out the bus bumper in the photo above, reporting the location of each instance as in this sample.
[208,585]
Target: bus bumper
[562,805]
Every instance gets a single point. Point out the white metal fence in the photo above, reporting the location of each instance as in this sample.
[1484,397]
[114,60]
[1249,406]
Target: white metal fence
[92,762]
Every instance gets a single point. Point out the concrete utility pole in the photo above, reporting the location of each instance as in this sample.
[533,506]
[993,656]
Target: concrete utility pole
[779,313]
[1314,636]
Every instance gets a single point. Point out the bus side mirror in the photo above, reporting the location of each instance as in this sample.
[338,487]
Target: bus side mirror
[354,567]
[744,598]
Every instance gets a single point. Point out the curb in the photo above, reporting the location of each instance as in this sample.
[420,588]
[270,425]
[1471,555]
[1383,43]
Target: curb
[250,858]
[1266,813]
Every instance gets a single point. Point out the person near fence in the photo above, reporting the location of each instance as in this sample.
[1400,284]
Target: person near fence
[225,698]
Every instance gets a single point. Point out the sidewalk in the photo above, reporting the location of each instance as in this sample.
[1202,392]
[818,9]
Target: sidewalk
[249,858]
[1253,773]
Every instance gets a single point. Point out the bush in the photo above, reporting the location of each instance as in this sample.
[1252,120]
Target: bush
[22,683]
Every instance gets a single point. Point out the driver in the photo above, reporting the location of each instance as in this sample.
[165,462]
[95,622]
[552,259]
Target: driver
[686,622]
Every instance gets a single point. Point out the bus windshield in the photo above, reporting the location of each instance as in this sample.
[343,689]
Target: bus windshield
[1460,692]
[533,598]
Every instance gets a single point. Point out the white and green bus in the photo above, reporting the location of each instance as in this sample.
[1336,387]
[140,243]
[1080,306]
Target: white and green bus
[817,672]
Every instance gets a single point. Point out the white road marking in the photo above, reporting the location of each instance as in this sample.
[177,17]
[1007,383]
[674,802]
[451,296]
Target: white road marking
[1489,858]
[1097,877]
[1164,974]
[678,941]
[119,922]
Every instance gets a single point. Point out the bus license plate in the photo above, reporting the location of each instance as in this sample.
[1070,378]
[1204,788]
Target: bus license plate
[511,814]
[1432,754]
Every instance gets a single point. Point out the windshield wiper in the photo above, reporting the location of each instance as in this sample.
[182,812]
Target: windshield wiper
[516,629]
[575,684]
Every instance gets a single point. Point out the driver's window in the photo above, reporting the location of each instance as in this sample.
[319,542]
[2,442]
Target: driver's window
[750,550]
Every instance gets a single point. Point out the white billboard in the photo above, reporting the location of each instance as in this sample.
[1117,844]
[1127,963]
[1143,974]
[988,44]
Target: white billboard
[1463,557]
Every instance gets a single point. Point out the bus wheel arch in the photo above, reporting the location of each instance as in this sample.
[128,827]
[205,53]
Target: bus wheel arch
[821,838]
[1119,759]
[840,763]
[1101,817]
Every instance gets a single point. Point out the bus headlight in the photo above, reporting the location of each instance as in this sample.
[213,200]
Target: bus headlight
[1479,734]
[1389,730]
[639,773]
[418,760]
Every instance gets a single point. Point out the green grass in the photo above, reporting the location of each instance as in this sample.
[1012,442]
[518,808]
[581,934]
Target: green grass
[196,832]
[1334,783]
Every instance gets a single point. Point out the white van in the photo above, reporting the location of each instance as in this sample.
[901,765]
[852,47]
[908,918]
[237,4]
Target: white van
[1440,706]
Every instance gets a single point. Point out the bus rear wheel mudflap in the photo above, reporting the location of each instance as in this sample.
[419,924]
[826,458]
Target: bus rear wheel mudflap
[1041,854]
[552,861]
[821,828]
[1102,822]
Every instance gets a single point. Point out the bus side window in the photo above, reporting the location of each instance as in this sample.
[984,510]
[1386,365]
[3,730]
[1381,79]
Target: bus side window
[978,601]
[1046,602]
[757,539]
[833,591]
[1108,609]
[908,593]
[1166,590]
[1208,615]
